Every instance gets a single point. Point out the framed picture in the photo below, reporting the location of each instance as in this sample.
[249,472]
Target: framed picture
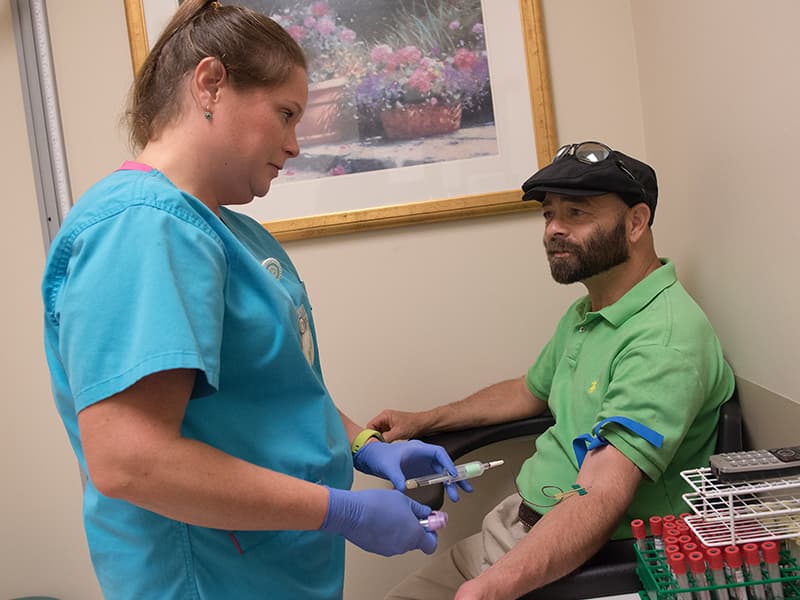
[418,111]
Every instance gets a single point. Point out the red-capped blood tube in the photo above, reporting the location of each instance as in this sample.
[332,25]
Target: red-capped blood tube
[677,562]
[697,565]
[733,558]
[753,560]
[714,558]
[770,550]
[639,534]
[656,528]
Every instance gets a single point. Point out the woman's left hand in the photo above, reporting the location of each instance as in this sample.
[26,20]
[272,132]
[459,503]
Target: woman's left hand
[399,461]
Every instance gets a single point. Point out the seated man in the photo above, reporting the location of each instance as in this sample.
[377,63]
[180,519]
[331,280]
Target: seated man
[634,377]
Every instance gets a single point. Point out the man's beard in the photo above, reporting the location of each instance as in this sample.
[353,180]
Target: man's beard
[601,252]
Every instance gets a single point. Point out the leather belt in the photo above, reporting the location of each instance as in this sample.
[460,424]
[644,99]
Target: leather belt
[527,515]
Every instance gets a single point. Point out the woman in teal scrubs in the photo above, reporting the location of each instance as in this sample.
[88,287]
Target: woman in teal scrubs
[182,351]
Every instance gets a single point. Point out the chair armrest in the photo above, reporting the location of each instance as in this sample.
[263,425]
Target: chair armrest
[462,441]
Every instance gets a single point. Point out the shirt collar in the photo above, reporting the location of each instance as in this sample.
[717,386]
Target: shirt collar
[634,299]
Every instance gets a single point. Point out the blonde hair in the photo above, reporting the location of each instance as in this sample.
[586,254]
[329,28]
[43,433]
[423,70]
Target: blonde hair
[254,49]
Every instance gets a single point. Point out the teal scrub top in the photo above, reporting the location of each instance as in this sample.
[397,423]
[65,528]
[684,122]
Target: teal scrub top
[142,278]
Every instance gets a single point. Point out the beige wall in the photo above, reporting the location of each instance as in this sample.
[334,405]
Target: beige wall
[42,548]
[419,315]
[720,94]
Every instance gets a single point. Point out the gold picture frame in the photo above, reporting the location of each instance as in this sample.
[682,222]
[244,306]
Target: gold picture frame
[465,206]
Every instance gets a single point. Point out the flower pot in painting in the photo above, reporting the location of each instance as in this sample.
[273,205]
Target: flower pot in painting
[420,120]
[328,117]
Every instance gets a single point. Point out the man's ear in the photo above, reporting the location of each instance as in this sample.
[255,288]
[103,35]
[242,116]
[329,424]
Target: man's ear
[638,221]
[208,77]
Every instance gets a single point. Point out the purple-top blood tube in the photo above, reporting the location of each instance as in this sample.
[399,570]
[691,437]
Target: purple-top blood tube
[753,560]
[733,558]
[714,558]
[770,550]
[436,520]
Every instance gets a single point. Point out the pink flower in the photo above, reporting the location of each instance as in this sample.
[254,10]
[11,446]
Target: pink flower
[477,29]
[309,22]
[381,54]
[337,170]
[320,8]
[464,59]
[326,25]
[348,36]
[298,32]
[454,25]
[409,54]
[421,80]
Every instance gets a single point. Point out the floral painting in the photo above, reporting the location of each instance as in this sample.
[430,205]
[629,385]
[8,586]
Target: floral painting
[393,83]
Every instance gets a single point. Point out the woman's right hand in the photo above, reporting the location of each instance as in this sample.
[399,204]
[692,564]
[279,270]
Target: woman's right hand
[399,425]
[385,522]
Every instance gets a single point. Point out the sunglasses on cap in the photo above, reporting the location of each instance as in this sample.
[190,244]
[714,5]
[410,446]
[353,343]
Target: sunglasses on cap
[591,153]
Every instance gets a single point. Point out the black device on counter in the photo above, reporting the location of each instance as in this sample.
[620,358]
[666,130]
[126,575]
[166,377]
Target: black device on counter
[755,465]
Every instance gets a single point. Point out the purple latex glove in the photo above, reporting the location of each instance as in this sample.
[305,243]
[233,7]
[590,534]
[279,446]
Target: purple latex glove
[385,522]
[399,461]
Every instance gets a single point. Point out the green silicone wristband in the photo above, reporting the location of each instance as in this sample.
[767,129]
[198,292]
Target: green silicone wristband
[363,437]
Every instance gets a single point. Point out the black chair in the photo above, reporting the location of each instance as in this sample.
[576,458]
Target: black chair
[612,570]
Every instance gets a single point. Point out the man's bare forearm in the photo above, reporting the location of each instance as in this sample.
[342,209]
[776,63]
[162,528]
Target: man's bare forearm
[568,535]
[504,401]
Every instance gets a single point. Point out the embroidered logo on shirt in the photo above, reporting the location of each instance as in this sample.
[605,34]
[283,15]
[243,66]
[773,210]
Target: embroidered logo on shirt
[273,265]
[592,388]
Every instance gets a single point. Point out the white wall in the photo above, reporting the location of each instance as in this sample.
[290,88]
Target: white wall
[419,315]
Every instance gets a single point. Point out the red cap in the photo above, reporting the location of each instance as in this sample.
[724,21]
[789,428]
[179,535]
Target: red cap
[682,527]
[733,557]
[684,515]
[671,549]
[751,556]
[639,532]
[690,547]
[770,550]
[656,525]
[670,530]
[714,556]
[685,539]
[697,562]
[677,561]
[668,518]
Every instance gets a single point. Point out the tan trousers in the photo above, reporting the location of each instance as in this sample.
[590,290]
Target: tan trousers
[441,578]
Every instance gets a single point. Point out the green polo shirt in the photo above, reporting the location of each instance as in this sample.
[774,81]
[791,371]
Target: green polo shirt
[653,357]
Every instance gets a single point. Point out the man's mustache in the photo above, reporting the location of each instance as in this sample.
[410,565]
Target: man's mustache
[560,246]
